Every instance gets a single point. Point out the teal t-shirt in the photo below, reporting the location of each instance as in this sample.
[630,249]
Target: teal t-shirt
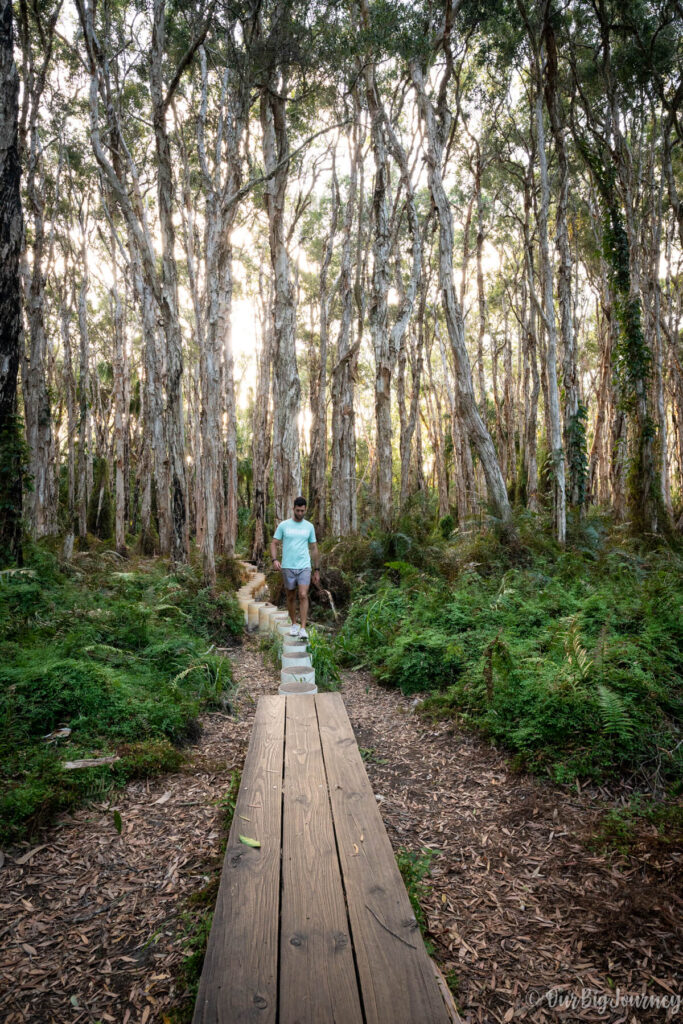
[295,539]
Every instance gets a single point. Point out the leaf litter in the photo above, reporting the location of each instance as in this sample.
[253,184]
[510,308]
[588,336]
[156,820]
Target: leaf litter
[518,902]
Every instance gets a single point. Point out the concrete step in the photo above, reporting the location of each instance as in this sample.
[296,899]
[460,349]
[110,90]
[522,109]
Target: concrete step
[295,659]
[298,673]
[290,689]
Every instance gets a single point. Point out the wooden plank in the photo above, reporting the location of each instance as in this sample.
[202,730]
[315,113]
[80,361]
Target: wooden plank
[396,975]
[318,982]
[239,978]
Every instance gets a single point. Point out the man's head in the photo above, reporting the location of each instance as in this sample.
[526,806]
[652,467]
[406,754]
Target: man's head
[299,508]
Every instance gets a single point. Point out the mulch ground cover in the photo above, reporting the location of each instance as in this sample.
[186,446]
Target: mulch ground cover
[526,918]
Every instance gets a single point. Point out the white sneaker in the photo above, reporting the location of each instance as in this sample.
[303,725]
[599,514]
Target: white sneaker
[303,635]
[294,631]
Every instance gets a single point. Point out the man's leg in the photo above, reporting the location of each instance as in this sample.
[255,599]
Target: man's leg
[291,595]
[291,603]
[303,603]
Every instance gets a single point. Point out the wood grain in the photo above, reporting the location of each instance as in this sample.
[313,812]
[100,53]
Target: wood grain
[317,975]
[239,979]
[396,975]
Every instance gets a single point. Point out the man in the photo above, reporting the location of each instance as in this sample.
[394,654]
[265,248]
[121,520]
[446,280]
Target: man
[297,536]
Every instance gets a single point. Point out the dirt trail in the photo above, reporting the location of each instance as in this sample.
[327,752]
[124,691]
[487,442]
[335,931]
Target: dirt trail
[91,922]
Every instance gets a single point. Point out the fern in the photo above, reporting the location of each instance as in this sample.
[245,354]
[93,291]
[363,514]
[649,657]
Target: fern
[11,574]
[615,717]
[171,608]
[576,654]
[107,649]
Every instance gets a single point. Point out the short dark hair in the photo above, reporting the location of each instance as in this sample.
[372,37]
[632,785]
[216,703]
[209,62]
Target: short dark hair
[299,501]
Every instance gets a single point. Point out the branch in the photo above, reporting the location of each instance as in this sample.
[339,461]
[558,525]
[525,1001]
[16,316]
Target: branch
[236,197]
[187,57]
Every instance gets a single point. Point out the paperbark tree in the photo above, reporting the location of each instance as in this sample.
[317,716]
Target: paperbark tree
[11,332]
[121,175]
[387,342]
[37,41]
[574,442]
[221,182]
[435,134]
[169,289]
[343,478]
[286,385]
[262,424]
[546,309]
[317,488]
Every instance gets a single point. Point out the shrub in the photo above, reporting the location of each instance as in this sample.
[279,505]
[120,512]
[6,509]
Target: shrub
[572,660]
[119,657]
[324,661]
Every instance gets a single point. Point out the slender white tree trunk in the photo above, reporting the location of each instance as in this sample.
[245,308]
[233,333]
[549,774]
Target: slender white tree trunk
[556,447]
[286,386]
[476,429]
[343,480]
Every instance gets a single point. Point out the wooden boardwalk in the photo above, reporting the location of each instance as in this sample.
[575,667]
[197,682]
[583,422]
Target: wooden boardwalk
[315,924]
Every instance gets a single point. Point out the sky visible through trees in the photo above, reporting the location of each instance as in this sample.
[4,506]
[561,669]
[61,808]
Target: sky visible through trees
[374,252]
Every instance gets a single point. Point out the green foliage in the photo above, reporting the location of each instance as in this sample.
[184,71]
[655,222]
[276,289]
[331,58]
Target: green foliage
[215,615]
[631,354]
[324,660]
[577,452]
[120,658]
[100,514]
[414,868]
[13,469]
[270,647]
[446,526]
[572,660]
[641,822]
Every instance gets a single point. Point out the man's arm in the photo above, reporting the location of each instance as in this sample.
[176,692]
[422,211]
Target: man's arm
[273,554]
[315,559]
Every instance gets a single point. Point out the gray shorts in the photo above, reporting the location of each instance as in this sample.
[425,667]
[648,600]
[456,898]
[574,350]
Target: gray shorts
[296,577]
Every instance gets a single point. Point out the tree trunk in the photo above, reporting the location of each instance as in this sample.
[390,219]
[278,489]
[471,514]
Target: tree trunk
[286,386]
[548,313]
[378,314]
[434,426]
[71,419]
[476,429]
[317,489]
[85,461]
[120,373]
[261,432]
[343,479]
[481,294]
[169,288]
[410,415]
[573,445]
[602,397]
[462,485]
[41,499]
[11,332]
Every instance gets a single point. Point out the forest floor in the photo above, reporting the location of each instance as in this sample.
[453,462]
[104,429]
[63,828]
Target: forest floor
[527,920]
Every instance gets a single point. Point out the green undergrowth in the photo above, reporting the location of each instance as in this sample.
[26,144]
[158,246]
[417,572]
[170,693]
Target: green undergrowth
[122,654]
[324,660]
[414,868]
[270,646]
[643,826]
[571,660]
